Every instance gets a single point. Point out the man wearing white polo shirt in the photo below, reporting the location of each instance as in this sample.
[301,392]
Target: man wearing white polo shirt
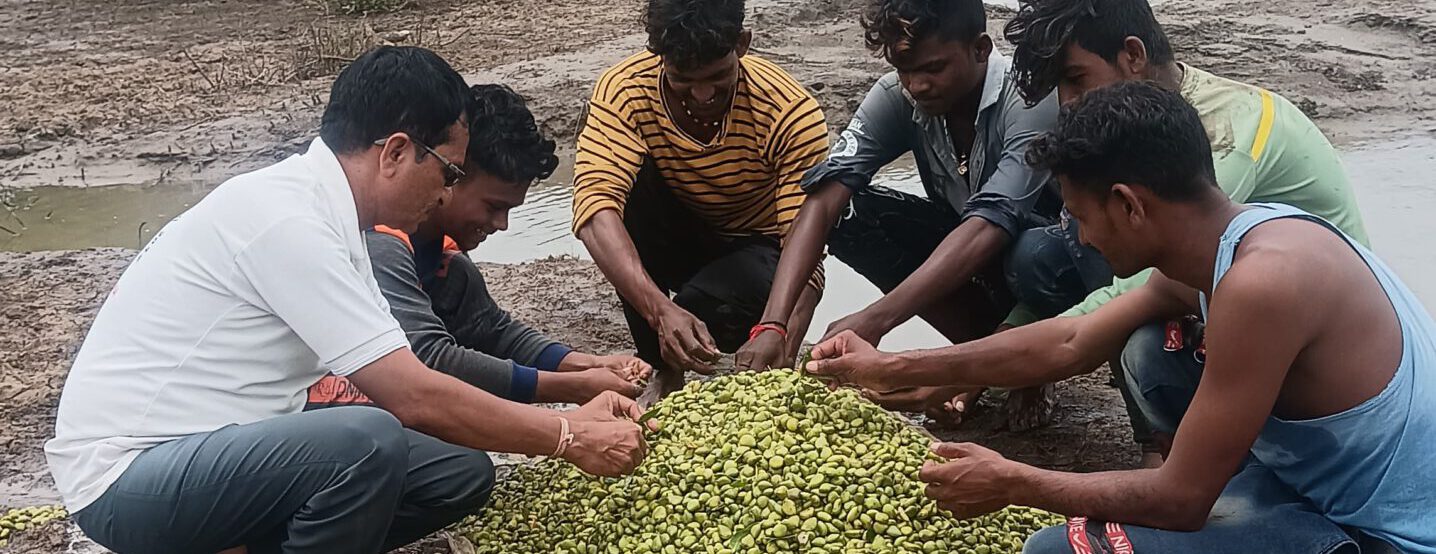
[180,427]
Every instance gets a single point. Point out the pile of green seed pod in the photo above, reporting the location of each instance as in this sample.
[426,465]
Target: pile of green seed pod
[750,463]
[21,519]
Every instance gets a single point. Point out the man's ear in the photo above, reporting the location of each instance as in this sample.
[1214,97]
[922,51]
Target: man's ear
[745,40]
[1132,60]
[982,48]
[1131,204]
[394,153]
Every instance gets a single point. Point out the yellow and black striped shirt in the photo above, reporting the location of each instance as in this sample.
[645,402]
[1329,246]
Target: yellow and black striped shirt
[745,182]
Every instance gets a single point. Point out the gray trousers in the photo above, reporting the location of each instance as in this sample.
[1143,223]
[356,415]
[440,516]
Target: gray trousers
[348,479]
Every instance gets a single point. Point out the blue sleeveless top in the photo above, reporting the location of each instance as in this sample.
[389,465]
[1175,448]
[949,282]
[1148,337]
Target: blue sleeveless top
[1372,467]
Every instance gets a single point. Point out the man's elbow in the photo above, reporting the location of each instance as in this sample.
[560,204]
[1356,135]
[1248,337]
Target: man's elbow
[1184,510]
[415,409]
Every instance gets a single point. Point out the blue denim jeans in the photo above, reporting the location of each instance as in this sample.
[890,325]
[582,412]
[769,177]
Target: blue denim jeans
[1049,270]
[1255,513]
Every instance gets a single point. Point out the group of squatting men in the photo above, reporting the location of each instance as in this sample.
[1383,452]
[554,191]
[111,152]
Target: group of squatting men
[308,360]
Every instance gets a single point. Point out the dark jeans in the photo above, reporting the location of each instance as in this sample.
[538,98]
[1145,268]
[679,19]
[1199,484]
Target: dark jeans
[887,235]
[348,479]
[723,281]
[1050,270]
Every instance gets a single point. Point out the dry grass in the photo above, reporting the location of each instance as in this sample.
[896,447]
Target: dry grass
[323,49]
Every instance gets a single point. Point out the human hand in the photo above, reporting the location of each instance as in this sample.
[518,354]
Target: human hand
[762,352]
[848,359]
[684,340]
[867,323]
[946,406]
[973,482]
[611,448]
[632,368]
[596,380]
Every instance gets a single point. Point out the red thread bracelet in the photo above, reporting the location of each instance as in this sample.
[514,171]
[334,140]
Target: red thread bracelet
[761,327]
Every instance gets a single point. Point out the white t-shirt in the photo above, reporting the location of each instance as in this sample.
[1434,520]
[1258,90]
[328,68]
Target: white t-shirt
[225,317]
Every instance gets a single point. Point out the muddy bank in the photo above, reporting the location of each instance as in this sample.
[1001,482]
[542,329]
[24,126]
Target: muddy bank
[223,86]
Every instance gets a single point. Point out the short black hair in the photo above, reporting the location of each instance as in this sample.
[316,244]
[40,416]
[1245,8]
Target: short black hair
[691,33]
[1042,29]
[504,140]
[1133,132]
[892,26]
[393,89]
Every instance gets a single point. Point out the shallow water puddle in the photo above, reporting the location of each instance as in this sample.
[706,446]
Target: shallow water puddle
[1392,181]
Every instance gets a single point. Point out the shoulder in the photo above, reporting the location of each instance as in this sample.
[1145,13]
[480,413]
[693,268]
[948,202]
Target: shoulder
[1281,263]
[770,81]
[284,195]
[639,71]
[383,241]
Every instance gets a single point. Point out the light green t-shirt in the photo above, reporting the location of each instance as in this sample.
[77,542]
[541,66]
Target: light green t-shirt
[1265,150]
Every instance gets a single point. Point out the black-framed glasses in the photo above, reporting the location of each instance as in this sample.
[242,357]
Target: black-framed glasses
[452,173]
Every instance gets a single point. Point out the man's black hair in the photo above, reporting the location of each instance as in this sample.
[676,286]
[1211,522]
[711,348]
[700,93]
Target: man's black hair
[393,89]
[891,27]
[1042,29]
[1133,132]
[692,33]
[504,140]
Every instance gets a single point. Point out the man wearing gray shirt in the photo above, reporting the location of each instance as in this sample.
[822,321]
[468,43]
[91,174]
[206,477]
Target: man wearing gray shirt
[952,104]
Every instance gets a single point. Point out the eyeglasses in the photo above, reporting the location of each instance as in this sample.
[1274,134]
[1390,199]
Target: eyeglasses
[452,173]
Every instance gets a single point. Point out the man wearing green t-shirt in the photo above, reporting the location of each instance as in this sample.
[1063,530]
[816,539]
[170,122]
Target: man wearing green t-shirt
[1265,149]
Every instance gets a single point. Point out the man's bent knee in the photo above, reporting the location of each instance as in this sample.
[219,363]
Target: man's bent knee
[472,482]
[1155,377]
[1052,540]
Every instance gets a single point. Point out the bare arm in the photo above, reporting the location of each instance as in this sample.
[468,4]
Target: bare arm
[804,248]
[1036,354]
[968,248]
[446,408]
[684,339]
[1259,323]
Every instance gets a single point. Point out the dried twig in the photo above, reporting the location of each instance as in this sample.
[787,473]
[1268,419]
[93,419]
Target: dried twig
[200,70]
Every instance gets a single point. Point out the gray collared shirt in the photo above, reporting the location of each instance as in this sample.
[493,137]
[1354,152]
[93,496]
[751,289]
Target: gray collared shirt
[1005,191]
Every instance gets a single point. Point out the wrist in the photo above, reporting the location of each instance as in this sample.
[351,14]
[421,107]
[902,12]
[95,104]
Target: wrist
[657,308]
[1014,478]
[559,387]
[577,361]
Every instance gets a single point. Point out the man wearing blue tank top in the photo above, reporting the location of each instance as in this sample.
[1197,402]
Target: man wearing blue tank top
[1307,417]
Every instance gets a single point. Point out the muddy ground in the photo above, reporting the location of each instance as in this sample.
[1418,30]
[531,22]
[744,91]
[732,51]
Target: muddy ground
[149,92]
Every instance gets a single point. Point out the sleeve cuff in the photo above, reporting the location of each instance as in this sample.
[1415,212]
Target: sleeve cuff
[829,171]
[1021,315]
[524,385]
[551,356]
[361,356]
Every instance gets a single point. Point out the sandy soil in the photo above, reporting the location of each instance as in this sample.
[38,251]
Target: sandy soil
[147,92]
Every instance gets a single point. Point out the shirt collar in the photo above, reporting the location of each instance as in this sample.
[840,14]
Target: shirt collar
[997,68]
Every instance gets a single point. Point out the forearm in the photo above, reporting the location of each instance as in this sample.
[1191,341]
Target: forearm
[558,387]
[474,368]
[577,361]
[966,250]
[613,250]
[803,251]
[1144,497]
[1032,355]
[444,407]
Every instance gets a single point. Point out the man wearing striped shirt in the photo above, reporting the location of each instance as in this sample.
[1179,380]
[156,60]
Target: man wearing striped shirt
[687,181]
